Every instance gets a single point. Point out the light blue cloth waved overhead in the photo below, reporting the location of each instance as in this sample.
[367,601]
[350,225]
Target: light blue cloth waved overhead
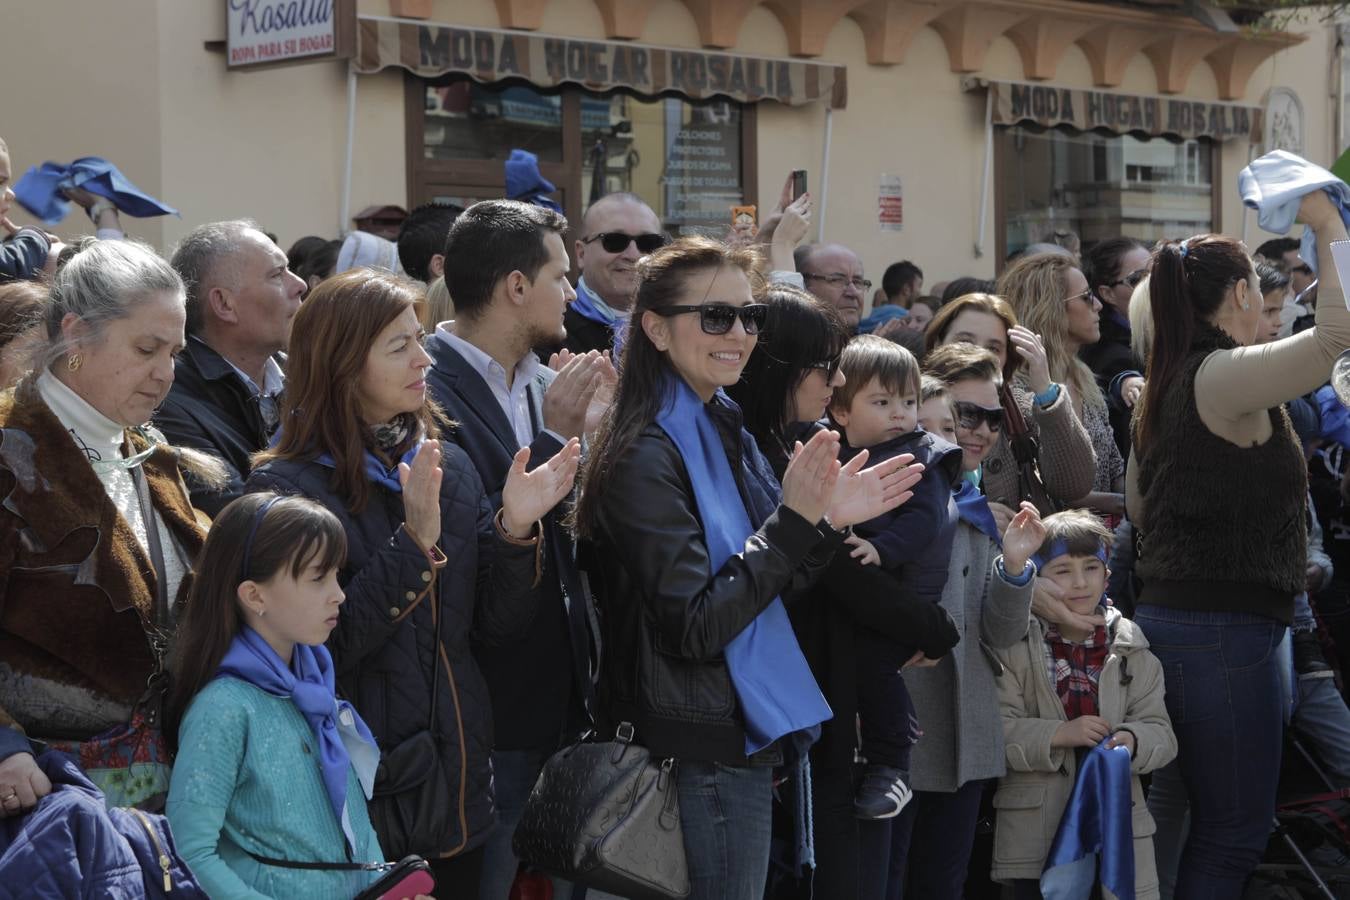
[40,189]
[1276,183]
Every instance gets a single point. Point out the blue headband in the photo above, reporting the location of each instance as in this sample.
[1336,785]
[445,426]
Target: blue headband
[252,533]
[1060,548]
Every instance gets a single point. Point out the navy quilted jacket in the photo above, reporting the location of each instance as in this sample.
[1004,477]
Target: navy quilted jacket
[384,645]
[72,845]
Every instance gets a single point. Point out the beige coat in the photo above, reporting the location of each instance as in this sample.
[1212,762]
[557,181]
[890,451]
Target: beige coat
[1032,796]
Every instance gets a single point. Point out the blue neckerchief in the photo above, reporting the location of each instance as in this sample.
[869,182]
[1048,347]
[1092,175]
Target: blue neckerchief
[773,682]
[344,740]
[1096,828]
[973,507]
[376,471]
[589,306]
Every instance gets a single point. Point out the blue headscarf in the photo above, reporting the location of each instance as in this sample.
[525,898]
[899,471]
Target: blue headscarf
[773,682]
[344,740]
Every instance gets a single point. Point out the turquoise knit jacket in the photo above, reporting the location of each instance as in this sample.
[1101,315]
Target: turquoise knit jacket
[246,780]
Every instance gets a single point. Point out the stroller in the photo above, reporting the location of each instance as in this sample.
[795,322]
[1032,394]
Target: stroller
[1308,857]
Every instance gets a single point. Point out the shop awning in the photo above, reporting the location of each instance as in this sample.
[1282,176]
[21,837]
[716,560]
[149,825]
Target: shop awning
[431,49]
[1145,115]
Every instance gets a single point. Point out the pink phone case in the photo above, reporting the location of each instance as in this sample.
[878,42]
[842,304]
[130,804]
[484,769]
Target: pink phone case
[415,883]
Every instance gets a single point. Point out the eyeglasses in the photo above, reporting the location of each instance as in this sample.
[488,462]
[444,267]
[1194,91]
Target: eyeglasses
[1131,279]
[970,415]
[617,241]
[717,318]
[839,280]
[828,366]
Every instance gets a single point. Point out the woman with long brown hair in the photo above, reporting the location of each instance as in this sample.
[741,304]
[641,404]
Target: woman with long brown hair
[1217,490]
[694,540]
[429,562]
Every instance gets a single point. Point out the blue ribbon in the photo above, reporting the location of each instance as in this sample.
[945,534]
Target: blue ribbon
[1060,548]
[773,682]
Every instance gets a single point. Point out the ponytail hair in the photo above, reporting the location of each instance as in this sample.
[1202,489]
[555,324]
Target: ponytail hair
[1187,285]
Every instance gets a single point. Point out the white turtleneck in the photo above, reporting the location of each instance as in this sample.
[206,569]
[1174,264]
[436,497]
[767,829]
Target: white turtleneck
[101,438]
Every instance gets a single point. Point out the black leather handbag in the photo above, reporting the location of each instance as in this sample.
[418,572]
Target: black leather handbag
[1030,485]
[606,815]
[410,805]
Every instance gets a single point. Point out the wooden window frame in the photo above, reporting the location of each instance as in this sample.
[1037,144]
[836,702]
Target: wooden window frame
[424,174]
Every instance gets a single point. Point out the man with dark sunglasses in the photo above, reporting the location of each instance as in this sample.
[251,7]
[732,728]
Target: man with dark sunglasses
[616,231]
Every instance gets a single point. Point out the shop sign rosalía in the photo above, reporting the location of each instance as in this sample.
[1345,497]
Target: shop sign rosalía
[1149,115]
[273,31]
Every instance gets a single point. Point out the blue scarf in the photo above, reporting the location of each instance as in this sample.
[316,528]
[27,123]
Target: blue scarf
[773,682]
[344,740]
[376,471]
[1097,826]
[589,306]
[973,507]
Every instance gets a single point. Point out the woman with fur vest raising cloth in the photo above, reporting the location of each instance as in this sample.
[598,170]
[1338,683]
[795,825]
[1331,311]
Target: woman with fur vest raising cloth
[1217,490]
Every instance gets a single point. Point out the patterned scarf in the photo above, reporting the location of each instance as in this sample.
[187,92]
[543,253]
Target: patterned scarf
[1075,668]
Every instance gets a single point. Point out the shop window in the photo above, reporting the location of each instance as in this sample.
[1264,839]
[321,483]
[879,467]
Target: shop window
[690,161]
[1100,186]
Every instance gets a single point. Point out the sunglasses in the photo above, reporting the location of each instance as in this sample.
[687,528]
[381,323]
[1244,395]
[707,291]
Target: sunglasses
[617,241]
[970,415]
[1131,279]
[828,366]
[717,318]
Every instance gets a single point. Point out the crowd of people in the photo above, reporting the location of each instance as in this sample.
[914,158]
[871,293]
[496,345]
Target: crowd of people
[323,554]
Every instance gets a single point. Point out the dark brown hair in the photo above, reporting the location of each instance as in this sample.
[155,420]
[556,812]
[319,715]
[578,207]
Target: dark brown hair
[293,534]
[951,363]
[330,343]
[989,304]
[643,381]
[1082,533]
[868,356]
[1186,288]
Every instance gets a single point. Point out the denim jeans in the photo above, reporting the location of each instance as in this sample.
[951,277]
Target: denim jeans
[514,773]
[923,853]
[1223,696]
[726,812]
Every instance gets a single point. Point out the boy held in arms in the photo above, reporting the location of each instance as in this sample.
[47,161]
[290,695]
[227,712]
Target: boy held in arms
[1064,690]
[877,408]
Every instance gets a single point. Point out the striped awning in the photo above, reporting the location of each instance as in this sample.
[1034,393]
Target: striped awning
[431,49]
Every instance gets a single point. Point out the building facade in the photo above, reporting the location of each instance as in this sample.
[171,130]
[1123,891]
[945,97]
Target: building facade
[948,132]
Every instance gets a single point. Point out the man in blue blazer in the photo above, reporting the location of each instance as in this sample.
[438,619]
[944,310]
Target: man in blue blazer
[506,269]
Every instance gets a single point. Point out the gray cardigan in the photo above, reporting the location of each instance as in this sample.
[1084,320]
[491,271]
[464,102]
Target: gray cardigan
[956,701]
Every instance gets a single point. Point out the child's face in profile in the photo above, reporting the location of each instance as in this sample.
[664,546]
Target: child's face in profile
[935,415]
[1081,578]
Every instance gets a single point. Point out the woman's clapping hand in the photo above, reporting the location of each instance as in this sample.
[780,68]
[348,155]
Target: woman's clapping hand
[528,496]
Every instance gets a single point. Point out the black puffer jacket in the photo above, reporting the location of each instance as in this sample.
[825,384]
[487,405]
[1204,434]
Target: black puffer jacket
[665,621]
[384,645]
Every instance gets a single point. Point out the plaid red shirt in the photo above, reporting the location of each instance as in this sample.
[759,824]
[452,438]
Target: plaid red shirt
[1075,669]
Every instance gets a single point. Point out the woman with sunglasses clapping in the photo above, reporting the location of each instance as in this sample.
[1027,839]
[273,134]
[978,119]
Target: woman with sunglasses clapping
[694,541]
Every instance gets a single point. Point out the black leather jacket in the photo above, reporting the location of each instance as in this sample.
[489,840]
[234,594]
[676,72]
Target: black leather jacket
[665,622]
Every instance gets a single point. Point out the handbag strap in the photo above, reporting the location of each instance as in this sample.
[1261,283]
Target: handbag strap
[1019,435]
[326,866]
[437,656]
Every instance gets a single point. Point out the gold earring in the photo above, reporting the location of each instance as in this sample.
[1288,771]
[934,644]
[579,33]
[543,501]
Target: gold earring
[73,362]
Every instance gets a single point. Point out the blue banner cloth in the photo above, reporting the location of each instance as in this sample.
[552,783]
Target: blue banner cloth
[39,190]
[1095,832]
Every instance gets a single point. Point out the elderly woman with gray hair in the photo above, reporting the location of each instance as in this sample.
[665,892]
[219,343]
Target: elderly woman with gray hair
[96,544]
